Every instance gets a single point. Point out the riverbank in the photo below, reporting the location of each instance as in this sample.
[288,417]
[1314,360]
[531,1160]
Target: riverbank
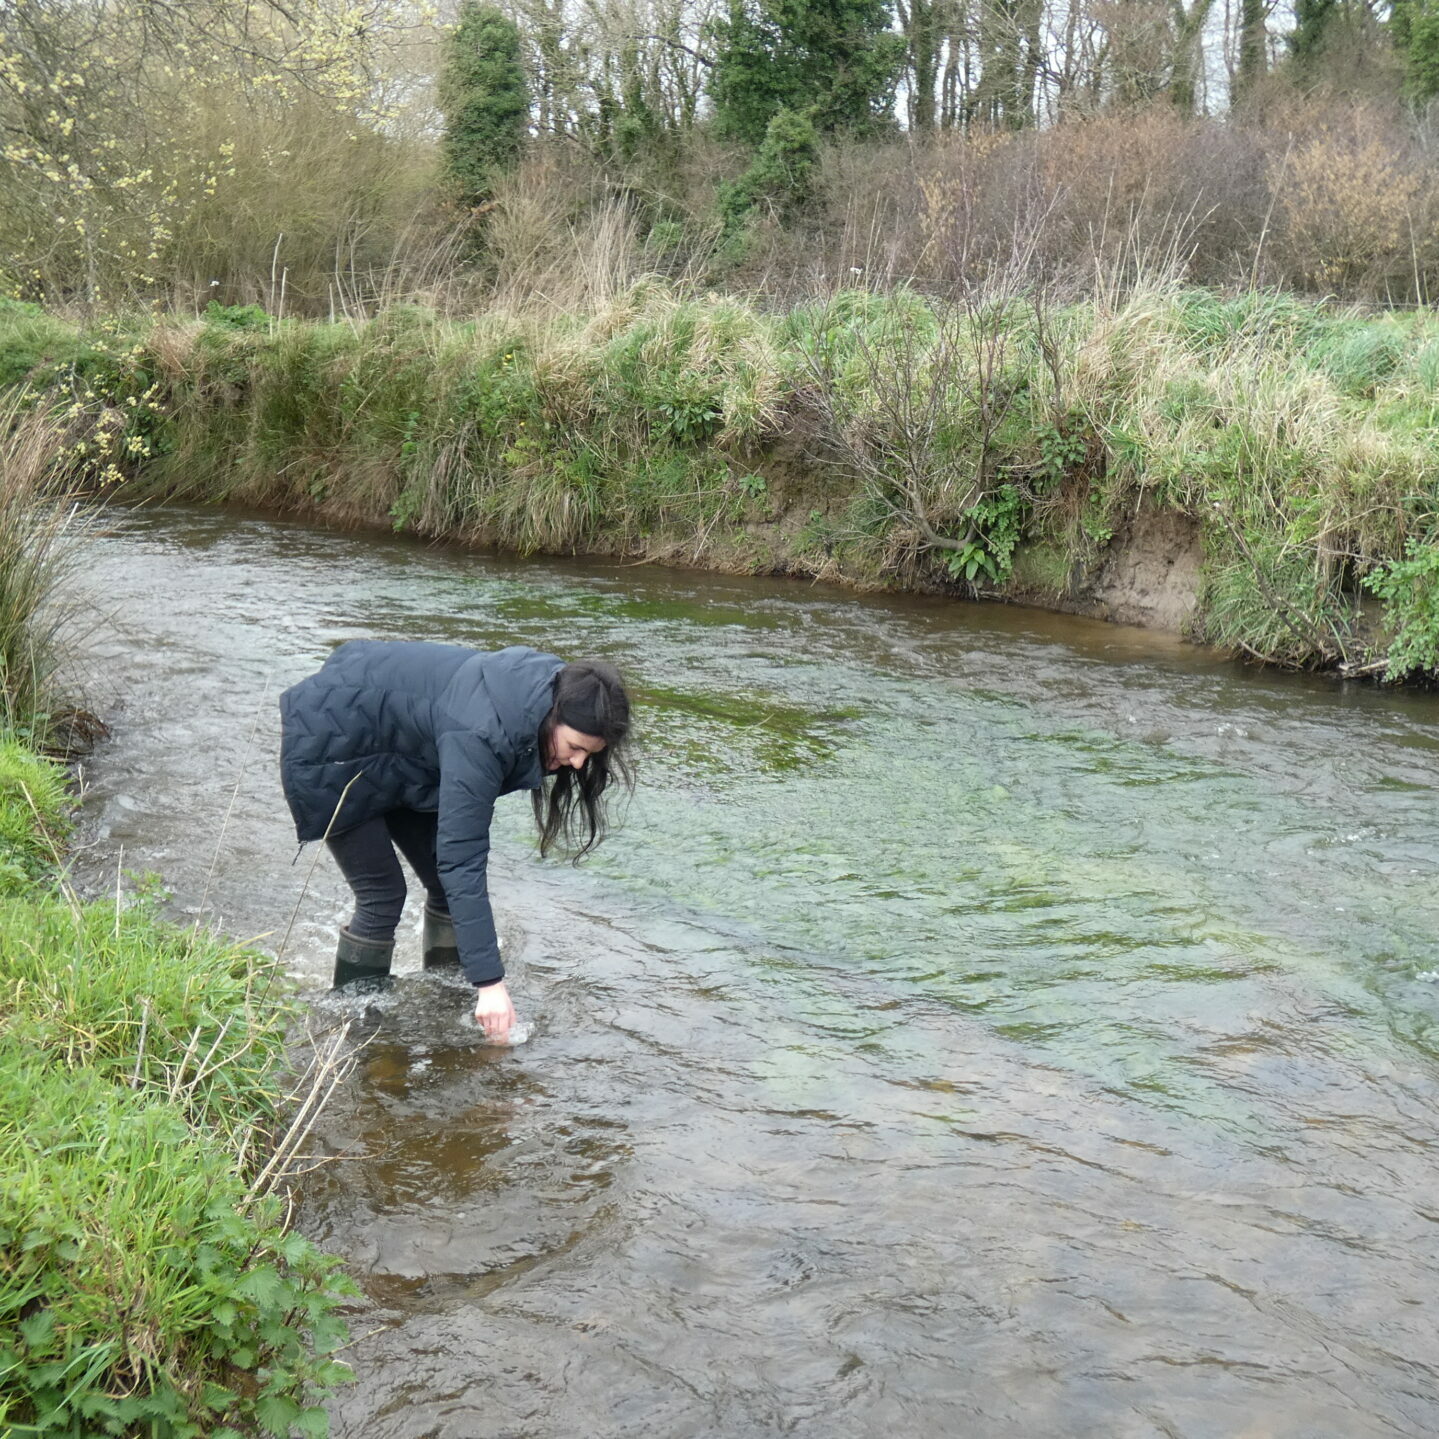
[147,1282]
[1256,472]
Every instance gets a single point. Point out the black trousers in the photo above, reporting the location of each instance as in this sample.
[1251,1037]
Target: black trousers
[366,856]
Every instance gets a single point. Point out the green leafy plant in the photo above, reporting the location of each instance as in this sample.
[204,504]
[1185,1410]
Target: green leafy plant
[692,412]
[971,560]
[996,523]
[1061,449]
[1409,589]
[235,317]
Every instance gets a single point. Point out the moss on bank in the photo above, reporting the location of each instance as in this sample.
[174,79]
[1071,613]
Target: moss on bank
[877,440]
[143,1289]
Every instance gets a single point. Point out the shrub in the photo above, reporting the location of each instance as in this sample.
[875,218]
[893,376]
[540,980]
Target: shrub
[1409,588]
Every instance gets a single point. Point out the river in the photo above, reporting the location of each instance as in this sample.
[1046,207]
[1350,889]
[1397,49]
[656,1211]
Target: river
[984,1022]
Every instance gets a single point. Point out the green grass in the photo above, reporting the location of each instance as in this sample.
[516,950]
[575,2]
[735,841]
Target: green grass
[1300,436]
[38,344]
[33,819]
[145,1290]
[136,1298]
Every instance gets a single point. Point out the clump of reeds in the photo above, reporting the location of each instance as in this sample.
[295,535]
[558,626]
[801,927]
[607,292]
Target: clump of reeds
[36,524]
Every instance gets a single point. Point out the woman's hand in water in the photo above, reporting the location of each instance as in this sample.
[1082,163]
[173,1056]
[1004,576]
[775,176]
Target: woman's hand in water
[493,1011]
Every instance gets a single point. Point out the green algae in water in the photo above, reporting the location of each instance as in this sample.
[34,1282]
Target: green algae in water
[707,735]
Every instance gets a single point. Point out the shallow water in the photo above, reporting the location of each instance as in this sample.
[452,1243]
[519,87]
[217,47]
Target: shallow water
[986,1022]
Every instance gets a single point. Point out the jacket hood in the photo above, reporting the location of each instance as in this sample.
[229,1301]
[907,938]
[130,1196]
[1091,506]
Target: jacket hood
[520,683]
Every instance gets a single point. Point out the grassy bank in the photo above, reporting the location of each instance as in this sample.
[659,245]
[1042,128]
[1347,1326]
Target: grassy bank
[147,1284]
[992,446]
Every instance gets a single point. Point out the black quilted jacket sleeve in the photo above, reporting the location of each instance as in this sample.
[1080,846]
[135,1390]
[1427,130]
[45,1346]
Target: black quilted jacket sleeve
[470,782]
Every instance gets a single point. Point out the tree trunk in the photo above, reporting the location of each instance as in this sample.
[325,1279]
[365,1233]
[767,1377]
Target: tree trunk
[1188,52]
[924,35]
[1253,46]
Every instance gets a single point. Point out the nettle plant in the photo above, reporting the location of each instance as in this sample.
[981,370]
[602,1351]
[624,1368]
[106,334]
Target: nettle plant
[1409,589]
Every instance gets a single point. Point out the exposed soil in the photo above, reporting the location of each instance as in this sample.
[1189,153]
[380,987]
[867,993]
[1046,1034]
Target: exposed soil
[1151,572]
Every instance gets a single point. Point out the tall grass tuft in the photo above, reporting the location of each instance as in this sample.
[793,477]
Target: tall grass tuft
[36,524]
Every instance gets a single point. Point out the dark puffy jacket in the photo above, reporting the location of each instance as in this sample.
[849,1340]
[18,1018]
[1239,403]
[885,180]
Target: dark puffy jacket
[425,727]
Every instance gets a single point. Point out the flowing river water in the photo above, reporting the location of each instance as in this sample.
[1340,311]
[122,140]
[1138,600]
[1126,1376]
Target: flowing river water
[984,1023]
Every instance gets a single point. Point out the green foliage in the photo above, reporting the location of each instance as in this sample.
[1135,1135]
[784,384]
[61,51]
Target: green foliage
[996,523]
[485,99]
[133,1293]
[80,979]
[1062,448]
[1312,21]
[236,317]
[837,61]
[142,1291]
[35,347]
[665,236]
[1359,359]
[781,175]
[691,412]
[1342,45]
[33,810]
[628,126]
[1043,565]
[817,536]
[1414,25]
[1409,589]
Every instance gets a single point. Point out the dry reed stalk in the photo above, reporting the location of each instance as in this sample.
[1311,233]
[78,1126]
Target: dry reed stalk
[36,521]
[330,1064]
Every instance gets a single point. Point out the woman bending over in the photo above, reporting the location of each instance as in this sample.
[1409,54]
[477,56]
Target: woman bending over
[405,746]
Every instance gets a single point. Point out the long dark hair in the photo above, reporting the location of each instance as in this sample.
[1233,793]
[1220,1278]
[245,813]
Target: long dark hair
[569,806]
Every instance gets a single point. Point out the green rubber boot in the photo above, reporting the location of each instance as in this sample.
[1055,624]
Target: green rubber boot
[438,948]
[357,959]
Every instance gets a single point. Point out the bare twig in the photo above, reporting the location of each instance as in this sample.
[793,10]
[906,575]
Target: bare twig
[330,1063]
